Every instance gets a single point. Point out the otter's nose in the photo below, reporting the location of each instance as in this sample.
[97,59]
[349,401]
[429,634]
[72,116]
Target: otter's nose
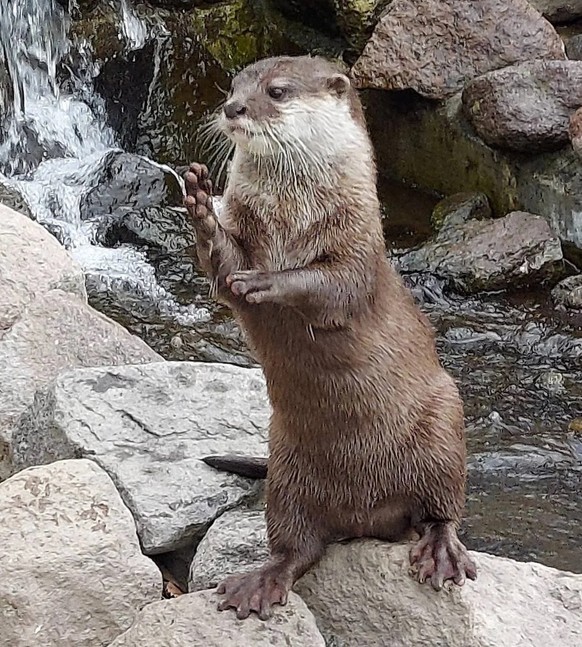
[234,109]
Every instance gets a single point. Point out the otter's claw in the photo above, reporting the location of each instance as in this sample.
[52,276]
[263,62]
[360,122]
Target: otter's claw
[256,286]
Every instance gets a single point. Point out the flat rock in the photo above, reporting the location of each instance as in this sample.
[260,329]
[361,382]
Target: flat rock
[32,262]
[55,332]
[518,249]
[434,47]
[459,208]
[72,572]
[194,620]
[526,107]
[559,11]
[361,592]
[148,427]
[568,293]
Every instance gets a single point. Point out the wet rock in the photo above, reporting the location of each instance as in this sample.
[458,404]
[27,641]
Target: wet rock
[458,208]
[568,293]
[433,146]
[193,620]
[510,603]
[574,47]
[490,255]
[31,264]
[11,198]
[436,48]
[236,542]
[133,194]
[558,11]
[79,577]
[526,107]
[148,427]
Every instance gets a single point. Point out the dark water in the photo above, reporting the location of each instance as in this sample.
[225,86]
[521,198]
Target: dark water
[518,362]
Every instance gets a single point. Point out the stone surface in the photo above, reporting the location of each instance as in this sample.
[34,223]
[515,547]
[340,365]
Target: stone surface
[458,208]
[72,572]
[433,147]
[148,426]
[361,593]
[235,542]
[526,107]
[568,293]
[32,262]
[435,46]
[54,330]
[559,10]
[518,249]
[192,620]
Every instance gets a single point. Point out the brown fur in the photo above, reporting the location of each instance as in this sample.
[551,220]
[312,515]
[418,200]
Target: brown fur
[367,435]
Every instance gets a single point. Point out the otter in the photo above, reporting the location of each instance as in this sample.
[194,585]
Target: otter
[366,437]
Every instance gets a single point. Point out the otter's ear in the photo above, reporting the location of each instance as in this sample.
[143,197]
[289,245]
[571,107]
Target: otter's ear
[338,83]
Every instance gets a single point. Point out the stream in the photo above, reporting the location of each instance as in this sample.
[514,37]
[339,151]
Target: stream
[518,361]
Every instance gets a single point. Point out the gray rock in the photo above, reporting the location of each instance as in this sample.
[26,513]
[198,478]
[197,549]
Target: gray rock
[31,263]
[526,107]
[193,620]
[148,427]
[558,11]
[458,208]
[490,254]
[568,293]
[71,565]
[235,542]
[436,46]
[361,593]
[54,333]
[574,47]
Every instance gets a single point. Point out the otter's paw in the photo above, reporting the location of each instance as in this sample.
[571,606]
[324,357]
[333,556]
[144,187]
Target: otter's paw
[254,285]
[440,556]
[198,200]
[254,592]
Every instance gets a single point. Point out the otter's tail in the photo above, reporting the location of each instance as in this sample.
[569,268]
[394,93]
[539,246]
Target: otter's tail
[250,466]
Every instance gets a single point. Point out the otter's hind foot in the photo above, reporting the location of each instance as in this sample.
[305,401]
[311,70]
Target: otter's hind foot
[256,591]
[440,556]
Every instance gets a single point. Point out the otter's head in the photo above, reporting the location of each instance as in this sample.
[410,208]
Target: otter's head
[285,105]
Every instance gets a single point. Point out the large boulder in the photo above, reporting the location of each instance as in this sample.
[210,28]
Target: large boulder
[72,572]
[361,592]
[518,249]
[194,620]
[434,47]
[148,427]
[45,325]
[526,107]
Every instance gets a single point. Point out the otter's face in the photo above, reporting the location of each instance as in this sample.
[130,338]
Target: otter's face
[287,105]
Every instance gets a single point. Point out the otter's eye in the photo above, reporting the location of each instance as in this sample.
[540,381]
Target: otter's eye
[276,93]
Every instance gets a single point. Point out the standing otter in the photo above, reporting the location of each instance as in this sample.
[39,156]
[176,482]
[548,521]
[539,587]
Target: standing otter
[366,436]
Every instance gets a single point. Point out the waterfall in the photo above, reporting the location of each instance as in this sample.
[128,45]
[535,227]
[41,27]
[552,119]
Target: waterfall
[54,145]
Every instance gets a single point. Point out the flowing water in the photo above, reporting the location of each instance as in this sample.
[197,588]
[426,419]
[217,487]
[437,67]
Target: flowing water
[518,362]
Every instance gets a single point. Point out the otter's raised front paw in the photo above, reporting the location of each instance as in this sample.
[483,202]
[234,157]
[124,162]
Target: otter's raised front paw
[257,591]
[198,200]
[440,556]
[254,285]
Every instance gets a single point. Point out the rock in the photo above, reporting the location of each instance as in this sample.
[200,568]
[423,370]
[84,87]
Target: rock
[574,47]
[78,577]
[11,197]
[148,426]
[31,264]
[55,332]
[527,107]
[518,249]
[356,19]
[435,47]
[568,293]
[458,208]
[575,132]
[558,11]
[361,592]
[432,147]
[194,620]
[235,542]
